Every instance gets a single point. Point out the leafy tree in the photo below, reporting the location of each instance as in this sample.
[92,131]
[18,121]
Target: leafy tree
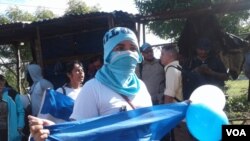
[14,14]
[79,7]
[43,13]
[4,20]
[9,54]
[231,22]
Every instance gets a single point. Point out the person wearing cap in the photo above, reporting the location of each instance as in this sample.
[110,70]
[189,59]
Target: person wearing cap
[151,72]
[208,65]
[114,89]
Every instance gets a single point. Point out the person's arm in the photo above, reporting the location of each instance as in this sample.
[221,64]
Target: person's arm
[20,113]
[168,99]
[36,128]
[218,75]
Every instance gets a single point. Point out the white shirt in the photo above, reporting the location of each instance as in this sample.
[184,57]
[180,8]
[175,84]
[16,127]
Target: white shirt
[173,81]
[70,92]
[96,99]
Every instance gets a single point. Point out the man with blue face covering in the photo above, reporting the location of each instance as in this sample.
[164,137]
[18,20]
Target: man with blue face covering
[114,89]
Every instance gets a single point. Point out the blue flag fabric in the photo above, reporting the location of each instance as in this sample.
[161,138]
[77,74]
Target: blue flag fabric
[56,105]
[144,124]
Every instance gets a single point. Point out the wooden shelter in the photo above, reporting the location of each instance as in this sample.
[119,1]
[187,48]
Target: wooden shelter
[58,40]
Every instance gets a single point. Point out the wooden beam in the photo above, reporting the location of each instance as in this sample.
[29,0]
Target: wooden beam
[38,48]
[226,7]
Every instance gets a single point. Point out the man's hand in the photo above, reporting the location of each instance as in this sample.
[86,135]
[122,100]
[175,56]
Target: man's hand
[37,128]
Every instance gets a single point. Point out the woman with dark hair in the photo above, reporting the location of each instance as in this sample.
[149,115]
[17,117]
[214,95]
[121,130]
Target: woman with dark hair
[72,87]
[75,77]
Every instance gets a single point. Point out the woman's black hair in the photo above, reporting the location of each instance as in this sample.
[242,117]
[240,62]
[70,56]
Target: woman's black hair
[70,66]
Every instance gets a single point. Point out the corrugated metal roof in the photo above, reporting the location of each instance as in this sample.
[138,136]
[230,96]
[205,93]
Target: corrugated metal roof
[22,31]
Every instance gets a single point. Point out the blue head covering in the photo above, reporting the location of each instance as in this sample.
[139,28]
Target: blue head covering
[116,35]
[119,73]
[145,46]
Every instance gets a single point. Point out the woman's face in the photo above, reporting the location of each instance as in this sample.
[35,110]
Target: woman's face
[125,45]
[77,74]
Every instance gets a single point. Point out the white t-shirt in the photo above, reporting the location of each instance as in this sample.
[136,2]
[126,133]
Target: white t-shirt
[173,85]
[70,92]
[95,99]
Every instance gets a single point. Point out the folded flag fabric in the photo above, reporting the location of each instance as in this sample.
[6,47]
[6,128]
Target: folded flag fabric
[144,124]
[56,106]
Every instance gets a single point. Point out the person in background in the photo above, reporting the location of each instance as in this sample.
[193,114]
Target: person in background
[151,72]
[75,77]
[38,87]
[208,65]
[94,65]
[173,85]
[115,88]
[11,114]
[173,90]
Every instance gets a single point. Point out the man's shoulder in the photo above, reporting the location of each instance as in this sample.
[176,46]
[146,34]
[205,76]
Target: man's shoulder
[93,83]
[153,63]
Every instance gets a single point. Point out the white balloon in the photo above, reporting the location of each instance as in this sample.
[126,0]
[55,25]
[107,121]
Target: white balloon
[210,95]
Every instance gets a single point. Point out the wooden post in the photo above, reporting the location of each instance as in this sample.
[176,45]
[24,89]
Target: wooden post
[18,65]
[38,47]
[144,33]
[248,97]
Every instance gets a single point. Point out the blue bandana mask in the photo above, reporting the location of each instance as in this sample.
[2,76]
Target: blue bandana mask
[124,61]
[119,74]
[118,71]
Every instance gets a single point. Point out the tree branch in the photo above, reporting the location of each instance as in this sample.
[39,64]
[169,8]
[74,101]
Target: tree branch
[226,7]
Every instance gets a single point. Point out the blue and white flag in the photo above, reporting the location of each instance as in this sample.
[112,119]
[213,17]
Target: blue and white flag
[56,106]
[145,124]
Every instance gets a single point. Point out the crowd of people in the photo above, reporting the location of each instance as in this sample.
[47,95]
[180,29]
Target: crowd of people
[128,77]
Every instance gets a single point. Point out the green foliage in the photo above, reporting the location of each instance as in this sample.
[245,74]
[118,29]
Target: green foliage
[42,13]
[8,59]
[236,87]
[79,7]
[167,29]
[232,22]
[4,20]
[14,14]
[237,104]
[11,78]
[7,52]
[172,28]
[237,107]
